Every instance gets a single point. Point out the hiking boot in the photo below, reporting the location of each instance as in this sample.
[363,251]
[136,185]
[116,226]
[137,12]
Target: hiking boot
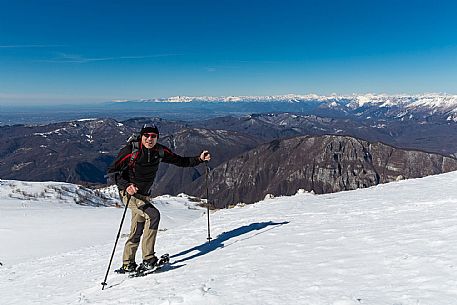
[148,264]
[127,268]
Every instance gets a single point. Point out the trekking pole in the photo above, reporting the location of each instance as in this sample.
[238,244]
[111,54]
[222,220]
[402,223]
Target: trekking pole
[207,201]
[115,243]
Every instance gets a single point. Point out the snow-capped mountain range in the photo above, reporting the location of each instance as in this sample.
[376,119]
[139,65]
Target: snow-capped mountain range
[429,100]
[365,106]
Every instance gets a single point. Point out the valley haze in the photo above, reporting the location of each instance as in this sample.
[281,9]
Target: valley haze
[204,107]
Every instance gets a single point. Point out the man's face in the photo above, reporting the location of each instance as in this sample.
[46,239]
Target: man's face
[149,139]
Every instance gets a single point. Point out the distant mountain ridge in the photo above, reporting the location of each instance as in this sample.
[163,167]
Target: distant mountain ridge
[401,105]
[431,99]
[373,108]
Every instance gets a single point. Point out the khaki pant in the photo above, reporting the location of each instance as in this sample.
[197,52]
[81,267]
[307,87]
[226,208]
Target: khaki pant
[145,222]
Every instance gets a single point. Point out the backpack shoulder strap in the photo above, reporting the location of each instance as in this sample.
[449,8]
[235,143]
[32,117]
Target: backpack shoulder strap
[134,154]
[161,152]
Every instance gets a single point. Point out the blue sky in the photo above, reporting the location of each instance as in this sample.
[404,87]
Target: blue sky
[68,51]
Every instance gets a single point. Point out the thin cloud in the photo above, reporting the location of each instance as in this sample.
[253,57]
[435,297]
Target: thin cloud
[19,46]
[259,61]
[41,95]
[75,58]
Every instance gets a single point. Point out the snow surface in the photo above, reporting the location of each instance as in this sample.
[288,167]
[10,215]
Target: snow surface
[387,245]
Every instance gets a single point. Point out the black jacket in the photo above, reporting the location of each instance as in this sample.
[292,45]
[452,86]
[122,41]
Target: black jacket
[144,168]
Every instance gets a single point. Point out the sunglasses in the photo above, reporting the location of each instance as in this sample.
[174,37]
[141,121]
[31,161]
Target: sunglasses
[150,135]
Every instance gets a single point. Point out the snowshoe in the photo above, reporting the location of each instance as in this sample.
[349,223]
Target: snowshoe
[147,267]
[148,264]
[127,268]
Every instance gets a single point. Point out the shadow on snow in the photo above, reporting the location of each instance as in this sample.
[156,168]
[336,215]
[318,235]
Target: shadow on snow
[218,242]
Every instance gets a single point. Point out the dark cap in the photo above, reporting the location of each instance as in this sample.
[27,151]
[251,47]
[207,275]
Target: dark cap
[148,129]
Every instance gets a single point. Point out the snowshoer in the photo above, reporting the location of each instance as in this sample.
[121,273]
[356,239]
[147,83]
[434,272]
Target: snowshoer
[134,172]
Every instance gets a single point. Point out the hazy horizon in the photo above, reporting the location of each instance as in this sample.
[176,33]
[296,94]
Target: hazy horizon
[24,105]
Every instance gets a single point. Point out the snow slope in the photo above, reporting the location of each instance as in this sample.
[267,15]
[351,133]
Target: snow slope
[387,245]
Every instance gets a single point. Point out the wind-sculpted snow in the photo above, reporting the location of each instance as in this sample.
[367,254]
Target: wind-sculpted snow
[385,245]
[62,193]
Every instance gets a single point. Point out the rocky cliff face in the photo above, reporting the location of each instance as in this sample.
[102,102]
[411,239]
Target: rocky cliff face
[322,164]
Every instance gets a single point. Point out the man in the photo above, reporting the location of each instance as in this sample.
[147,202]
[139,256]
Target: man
[135,170]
